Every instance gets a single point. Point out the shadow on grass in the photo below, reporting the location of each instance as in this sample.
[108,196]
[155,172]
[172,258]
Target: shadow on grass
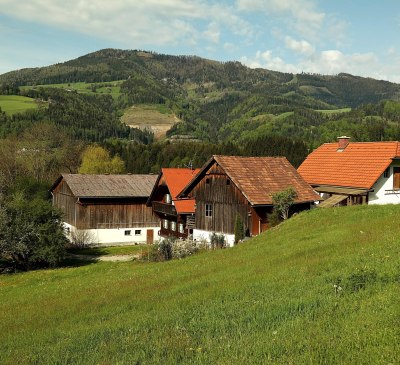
[90,251]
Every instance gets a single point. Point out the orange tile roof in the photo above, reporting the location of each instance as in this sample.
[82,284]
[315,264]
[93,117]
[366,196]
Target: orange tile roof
[359,165]
[185,206]
[176,179]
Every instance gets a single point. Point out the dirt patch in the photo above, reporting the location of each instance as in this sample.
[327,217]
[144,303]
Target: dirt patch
[157,118]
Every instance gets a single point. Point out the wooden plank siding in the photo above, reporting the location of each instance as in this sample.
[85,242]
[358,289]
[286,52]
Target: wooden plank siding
[227,201]
[64,200]
[115,214]
[96,213]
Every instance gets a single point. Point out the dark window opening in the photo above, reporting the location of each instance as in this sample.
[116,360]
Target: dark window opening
[207,181]
[138,232]
[228,182]
[127,232]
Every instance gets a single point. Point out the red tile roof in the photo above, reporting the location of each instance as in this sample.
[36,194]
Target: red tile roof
[176,179]
[260,177]
[359,165]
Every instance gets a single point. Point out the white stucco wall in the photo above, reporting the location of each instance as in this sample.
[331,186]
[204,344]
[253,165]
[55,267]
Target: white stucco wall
[383,190]
[199,235]
[108,237]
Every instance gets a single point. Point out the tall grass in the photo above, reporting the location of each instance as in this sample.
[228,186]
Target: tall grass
[269,300]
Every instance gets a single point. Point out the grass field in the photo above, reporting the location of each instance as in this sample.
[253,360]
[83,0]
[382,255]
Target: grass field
[112,88]
[270,300]
[334,111]
[12,104]
[157,118]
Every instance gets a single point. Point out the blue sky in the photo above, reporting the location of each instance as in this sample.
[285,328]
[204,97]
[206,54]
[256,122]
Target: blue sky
[320,36]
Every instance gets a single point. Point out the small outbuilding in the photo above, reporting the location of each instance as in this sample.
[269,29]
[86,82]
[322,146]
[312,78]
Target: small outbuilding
[110,208]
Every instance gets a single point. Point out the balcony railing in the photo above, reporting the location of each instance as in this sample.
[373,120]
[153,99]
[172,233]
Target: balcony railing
[163,208]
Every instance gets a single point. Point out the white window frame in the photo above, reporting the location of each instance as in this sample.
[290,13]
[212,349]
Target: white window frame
[138,232]
[165,223]
[209,210]
[181,228]
[168,198]
[173,226]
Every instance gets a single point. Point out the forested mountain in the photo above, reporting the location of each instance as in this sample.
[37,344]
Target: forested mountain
[224,106]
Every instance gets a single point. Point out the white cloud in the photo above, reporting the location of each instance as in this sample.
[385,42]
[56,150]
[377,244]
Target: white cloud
[300,13]
[134,23]
[328,62]
[302,47]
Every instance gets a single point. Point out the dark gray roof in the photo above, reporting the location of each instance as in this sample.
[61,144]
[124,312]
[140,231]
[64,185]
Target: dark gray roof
[107,186]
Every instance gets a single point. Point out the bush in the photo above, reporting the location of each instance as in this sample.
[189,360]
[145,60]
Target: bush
[217,241]
[239,229]
[81,238]
[31,233]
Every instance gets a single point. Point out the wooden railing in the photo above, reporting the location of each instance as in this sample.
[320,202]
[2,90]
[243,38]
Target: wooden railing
[163,208]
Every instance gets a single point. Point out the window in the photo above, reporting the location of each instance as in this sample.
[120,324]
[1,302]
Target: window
[228,182]
[173,226]
[165,223]
[386,174]
[396,178]
[138,232]
[181,228]
[209,210]
[168,198]
[127,232]
[208,181]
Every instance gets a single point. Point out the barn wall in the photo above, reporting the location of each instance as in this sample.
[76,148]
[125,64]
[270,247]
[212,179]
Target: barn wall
[96,214]
[227,201]
[64,200]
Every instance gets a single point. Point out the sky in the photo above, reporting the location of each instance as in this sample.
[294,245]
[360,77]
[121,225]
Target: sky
[360,37]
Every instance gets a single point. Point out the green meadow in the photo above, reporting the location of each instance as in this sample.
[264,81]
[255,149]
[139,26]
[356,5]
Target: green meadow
[112,88]
[12,104]
[321,288]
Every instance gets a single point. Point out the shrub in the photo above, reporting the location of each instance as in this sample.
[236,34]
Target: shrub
[31,233]
[217,241]
[239,229]
[81,238]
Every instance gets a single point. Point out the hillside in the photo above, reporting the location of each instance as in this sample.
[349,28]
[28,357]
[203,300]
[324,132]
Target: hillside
[212,101]
[271,300]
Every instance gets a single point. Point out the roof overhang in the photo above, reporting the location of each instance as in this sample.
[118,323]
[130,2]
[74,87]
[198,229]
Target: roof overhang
[341,190]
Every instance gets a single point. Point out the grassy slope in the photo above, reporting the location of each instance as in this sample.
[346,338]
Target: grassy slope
[270,300]
[113,88]
[12,104]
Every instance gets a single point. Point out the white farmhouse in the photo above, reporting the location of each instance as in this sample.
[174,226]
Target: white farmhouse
[347,173]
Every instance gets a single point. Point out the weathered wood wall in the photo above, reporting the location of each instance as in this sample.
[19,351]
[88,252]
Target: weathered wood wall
[115,213]
[227,201]
[103,213]
[64,200]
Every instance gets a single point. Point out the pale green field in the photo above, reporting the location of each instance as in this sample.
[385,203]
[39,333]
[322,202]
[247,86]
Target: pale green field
[334,111]
[112,88]
[12,104]
[322,288]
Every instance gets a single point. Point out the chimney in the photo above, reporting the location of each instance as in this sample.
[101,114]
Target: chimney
[343,142]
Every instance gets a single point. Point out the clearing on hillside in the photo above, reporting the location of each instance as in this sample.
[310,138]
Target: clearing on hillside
[112,88]
[12,104]
[157,118]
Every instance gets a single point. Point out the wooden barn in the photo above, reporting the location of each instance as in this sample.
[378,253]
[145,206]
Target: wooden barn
[230,186]
[176,215]
[111,208]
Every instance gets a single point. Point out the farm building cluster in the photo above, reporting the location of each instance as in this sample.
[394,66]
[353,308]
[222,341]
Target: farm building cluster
[182,202]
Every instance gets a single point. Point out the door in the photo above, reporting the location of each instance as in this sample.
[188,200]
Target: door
[396,178]
[150,236]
